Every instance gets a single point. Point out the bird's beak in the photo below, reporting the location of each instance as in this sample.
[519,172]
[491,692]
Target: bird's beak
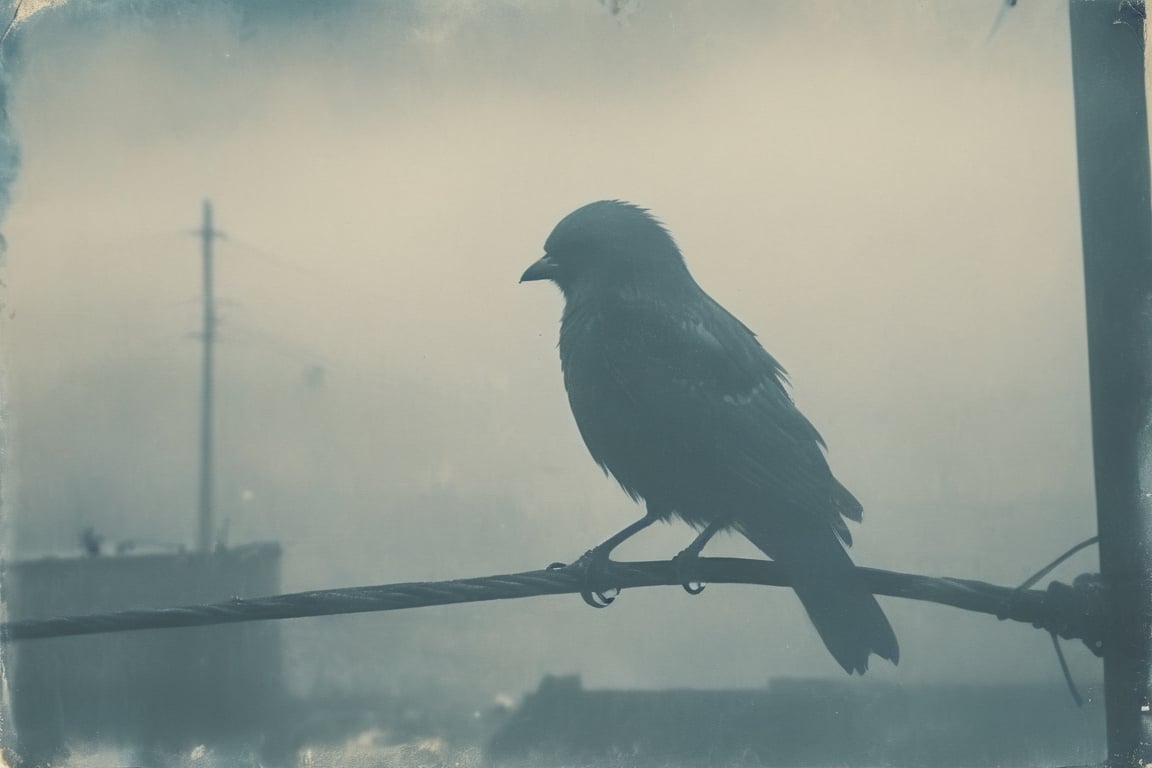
[543,269]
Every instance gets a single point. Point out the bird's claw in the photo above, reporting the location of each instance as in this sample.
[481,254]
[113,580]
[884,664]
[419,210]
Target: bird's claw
[597,599]
[588,567]
[686,563]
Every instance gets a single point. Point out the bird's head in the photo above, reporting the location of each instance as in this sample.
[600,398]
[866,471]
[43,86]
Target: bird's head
[608,245]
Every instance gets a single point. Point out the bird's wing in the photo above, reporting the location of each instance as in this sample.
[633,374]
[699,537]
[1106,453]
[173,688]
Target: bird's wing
[701,375]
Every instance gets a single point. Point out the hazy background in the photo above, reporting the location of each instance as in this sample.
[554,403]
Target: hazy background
[883,191]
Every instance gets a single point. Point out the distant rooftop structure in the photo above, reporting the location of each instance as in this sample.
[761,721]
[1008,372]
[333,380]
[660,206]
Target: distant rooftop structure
[155,688]
[802,722]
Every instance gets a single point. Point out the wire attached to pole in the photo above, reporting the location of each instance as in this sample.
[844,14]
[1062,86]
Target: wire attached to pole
[1029,583]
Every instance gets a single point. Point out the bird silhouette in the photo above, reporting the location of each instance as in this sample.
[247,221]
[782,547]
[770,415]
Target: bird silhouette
[679,402]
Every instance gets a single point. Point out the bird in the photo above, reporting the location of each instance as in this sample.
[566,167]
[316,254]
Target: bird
[677,400]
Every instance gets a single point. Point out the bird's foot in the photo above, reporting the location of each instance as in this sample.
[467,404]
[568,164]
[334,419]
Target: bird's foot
[590,568]
[687,566]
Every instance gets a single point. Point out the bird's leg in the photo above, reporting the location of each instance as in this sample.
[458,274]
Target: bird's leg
[594,560]
[686,560]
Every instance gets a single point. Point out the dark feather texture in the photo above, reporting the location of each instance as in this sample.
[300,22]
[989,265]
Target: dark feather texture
[678,400]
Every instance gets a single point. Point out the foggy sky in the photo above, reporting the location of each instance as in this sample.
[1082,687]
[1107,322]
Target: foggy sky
[879,190]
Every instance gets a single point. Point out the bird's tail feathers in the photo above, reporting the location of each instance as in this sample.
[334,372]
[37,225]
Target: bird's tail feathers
[843,611]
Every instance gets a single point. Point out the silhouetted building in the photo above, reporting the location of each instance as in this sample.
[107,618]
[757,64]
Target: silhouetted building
[161,689]
[803,723]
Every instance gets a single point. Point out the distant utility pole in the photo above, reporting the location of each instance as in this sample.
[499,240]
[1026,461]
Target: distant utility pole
[207,523]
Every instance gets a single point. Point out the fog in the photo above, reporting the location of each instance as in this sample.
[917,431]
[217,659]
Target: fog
[885,192]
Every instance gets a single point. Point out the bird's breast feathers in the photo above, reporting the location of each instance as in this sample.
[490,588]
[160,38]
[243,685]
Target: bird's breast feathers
[671,402]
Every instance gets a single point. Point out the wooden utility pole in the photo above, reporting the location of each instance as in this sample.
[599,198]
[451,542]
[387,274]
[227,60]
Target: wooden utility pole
[1116,227]
[207,523]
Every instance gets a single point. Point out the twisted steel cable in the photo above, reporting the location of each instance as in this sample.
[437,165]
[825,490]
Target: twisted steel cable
[1070,611]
